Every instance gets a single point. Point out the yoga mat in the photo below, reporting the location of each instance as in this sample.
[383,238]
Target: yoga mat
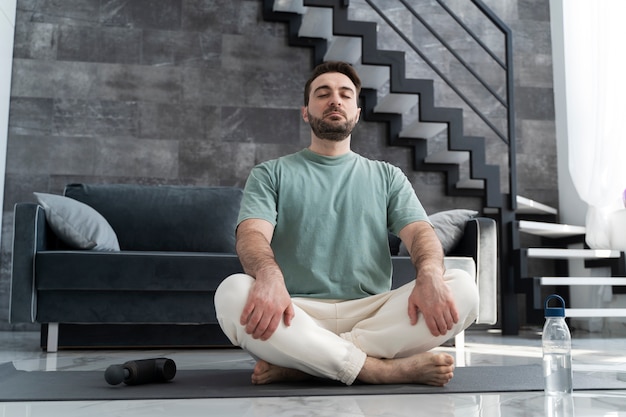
[18,385]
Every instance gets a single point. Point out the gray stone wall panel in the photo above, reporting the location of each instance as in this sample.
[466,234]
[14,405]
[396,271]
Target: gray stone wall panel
[199,91]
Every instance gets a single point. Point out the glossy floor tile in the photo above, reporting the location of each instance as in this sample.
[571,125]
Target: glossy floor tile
[602,355]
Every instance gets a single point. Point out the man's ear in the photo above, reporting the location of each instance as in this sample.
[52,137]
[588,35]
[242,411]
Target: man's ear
[305,113]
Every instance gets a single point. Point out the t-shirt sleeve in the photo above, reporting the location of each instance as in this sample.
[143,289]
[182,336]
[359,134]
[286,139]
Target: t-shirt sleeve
[259,196]
[404,207]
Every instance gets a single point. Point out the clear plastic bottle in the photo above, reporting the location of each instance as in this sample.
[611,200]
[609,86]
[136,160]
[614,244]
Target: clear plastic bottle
[556,342]
[559,405]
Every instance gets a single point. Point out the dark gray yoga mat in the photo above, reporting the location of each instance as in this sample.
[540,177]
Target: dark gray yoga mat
[18,385]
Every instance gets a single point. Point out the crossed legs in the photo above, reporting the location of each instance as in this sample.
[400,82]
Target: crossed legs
[369,339]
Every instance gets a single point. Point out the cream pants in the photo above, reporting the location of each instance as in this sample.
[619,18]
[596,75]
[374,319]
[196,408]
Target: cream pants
[332,338]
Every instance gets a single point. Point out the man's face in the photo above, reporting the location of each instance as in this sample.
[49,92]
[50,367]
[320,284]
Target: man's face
[333,108]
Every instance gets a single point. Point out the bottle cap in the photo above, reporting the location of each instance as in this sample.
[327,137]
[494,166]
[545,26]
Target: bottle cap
[554,311]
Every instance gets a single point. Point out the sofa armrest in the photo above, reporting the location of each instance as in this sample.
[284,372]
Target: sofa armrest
[30,235]
[480,241]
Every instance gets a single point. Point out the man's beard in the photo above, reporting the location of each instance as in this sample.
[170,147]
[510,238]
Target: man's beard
[334,131]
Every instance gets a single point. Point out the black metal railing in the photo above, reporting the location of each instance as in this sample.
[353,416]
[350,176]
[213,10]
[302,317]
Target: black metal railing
[505,64]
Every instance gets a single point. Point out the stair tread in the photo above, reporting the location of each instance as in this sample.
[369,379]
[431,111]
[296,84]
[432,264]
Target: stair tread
[474,184]
[317,23]
[595,312]
[373,76]
[447,157]
[527,206]
[561,253]
[292,6]
[424,130]
[343,48]
[396,103]
[554,230]
[583,280]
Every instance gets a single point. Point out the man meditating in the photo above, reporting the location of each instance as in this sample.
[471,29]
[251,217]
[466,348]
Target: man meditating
[312,237]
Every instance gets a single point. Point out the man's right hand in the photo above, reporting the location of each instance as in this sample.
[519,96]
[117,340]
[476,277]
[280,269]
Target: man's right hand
[268,304]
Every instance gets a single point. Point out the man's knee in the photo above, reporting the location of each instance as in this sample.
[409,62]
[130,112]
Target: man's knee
[230,298]
[465,290]
[232,294]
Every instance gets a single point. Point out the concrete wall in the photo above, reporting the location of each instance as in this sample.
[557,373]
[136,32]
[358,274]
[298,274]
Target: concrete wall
[197,92]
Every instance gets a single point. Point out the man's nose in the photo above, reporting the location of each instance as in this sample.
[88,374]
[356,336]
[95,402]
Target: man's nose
[335,101]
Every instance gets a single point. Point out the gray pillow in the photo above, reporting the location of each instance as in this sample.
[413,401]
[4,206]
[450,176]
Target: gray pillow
[449,226]
[77,224]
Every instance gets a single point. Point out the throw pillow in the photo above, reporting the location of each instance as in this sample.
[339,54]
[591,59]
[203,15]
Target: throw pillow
[449,226]
[77,224]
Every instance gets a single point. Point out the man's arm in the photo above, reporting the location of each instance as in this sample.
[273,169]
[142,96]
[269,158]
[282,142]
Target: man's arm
[431,295]
[268,302]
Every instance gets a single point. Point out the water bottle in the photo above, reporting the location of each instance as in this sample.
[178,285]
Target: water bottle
[559,405]
[556,342]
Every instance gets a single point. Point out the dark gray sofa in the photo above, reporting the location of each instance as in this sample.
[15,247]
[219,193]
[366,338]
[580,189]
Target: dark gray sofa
[176,244]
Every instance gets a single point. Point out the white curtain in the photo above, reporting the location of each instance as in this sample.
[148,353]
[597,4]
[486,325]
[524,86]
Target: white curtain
[595,40]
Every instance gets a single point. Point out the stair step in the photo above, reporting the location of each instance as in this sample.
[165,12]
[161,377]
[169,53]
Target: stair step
[528,206]
[423,130]
[344,48]
[317,23]
[558,253]
[372,76]
[583,280]
[447,157]
[290,6]
[396,103]
[472,184]
[595,312]
[552,230]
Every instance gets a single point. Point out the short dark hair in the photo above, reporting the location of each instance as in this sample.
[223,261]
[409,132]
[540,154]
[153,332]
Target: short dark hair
[332,66]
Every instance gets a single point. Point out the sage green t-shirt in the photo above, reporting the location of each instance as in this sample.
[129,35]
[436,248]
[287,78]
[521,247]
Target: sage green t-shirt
[331,216]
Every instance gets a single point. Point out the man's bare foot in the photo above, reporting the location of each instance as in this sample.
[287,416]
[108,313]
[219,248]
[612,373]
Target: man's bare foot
[423,368]
[266,373]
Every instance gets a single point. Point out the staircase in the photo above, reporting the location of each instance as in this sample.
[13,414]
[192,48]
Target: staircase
[435,134]
[575,264]
[407,106]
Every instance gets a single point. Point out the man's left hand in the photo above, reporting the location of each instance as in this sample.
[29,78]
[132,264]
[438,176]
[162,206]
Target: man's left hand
[433,299]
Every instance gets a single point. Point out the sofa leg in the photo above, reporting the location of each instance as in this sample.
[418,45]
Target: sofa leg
[53,337]
[459,344]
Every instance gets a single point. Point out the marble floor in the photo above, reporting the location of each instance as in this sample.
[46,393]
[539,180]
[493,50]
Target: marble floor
[602,355]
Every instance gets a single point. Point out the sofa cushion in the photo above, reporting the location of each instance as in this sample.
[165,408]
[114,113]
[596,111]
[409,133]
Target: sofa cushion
[166,217]
[77,224]
[133,270]
[129,286]
[449,226]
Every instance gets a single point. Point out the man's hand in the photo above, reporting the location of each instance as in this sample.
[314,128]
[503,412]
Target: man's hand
[433,299]
[268,304]
[431,295]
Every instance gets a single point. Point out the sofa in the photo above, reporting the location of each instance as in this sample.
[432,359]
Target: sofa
[136,266]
